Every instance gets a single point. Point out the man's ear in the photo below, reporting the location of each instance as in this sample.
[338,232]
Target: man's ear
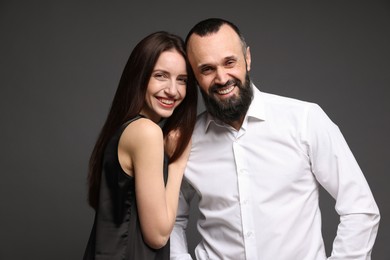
[248,58]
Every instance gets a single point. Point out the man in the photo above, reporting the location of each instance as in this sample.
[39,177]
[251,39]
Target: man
[257,161]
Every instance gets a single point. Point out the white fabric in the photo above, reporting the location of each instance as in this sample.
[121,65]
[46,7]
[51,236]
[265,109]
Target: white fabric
[259,187]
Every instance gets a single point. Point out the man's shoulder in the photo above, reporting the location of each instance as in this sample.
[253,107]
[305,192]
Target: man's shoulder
[284,103]
[201,119]
[286,108]
[275,99]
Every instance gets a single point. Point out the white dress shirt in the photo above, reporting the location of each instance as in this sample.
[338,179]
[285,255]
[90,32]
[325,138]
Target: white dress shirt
[259,187]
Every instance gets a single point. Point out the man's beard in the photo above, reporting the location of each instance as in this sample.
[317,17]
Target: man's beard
[232,109]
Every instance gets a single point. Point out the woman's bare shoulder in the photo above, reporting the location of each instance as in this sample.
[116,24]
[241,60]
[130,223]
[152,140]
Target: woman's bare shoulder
[140,132]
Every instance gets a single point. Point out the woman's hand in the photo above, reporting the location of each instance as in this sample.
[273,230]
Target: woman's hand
[170,144]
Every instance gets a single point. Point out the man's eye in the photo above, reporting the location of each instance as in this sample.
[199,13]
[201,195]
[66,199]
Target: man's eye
[230,63]
[206,70]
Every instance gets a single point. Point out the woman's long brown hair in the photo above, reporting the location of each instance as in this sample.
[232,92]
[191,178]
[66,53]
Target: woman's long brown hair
[130,98]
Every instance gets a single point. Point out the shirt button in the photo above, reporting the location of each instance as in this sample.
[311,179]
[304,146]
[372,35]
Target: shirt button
[248,234]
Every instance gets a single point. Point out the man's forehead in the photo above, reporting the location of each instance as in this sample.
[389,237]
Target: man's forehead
[224,32]
[224,39]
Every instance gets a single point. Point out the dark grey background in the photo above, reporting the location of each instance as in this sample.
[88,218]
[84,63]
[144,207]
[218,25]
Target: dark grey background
[60,63]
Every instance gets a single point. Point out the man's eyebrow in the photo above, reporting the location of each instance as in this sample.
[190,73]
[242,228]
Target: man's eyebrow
[231,57]
[202,66]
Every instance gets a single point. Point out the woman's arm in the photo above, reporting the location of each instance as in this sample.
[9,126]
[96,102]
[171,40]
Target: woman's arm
[142,144]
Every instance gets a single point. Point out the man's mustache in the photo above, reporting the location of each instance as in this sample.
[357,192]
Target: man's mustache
[230,82]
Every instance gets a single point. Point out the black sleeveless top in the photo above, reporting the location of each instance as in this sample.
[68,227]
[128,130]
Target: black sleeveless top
[116,232]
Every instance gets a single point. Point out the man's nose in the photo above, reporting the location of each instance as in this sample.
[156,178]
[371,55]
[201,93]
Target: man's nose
[221,76]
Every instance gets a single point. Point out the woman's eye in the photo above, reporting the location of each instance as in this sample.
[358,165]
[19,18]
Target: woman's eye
[159,76]
[182,80]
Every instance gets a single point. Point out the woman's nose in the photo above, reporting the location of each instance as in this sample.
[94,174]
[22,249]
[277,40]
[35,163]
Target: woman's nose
[171,88]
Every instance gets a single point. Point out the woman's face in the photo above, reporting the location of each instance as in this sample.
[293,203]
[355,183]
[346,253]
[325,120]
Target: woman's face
[167,86]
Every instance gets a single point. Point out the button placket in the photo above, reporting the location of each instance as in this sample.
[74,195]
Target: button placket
[244,190]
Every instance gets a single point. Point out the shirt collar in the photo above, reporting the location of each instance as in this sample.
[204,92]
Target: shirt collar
[256,110]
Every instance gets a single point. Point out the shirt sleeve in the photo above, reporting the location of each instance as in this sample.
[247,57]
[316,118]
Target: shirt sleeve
[336,169]
[178,239]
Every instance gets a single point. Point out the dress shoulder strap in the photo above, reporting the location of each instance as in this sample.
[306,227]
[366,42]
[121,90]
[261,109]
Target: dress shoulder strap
[125,124]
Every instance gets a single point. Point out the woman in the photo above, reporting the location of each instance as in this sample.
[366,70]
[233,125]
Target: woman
[134,198]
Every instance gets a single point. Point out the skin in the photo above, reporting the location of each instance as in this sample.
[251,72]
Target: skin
[141,151]
[167,86]
[216,59]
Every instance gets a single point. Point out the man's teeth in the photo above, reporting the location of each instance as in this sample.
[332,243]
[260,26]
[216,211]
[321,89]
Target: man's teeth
[166,101]
[225,91]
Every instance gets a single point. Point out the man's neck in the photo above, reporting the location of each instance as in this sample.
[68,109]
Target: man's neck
[236,124]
